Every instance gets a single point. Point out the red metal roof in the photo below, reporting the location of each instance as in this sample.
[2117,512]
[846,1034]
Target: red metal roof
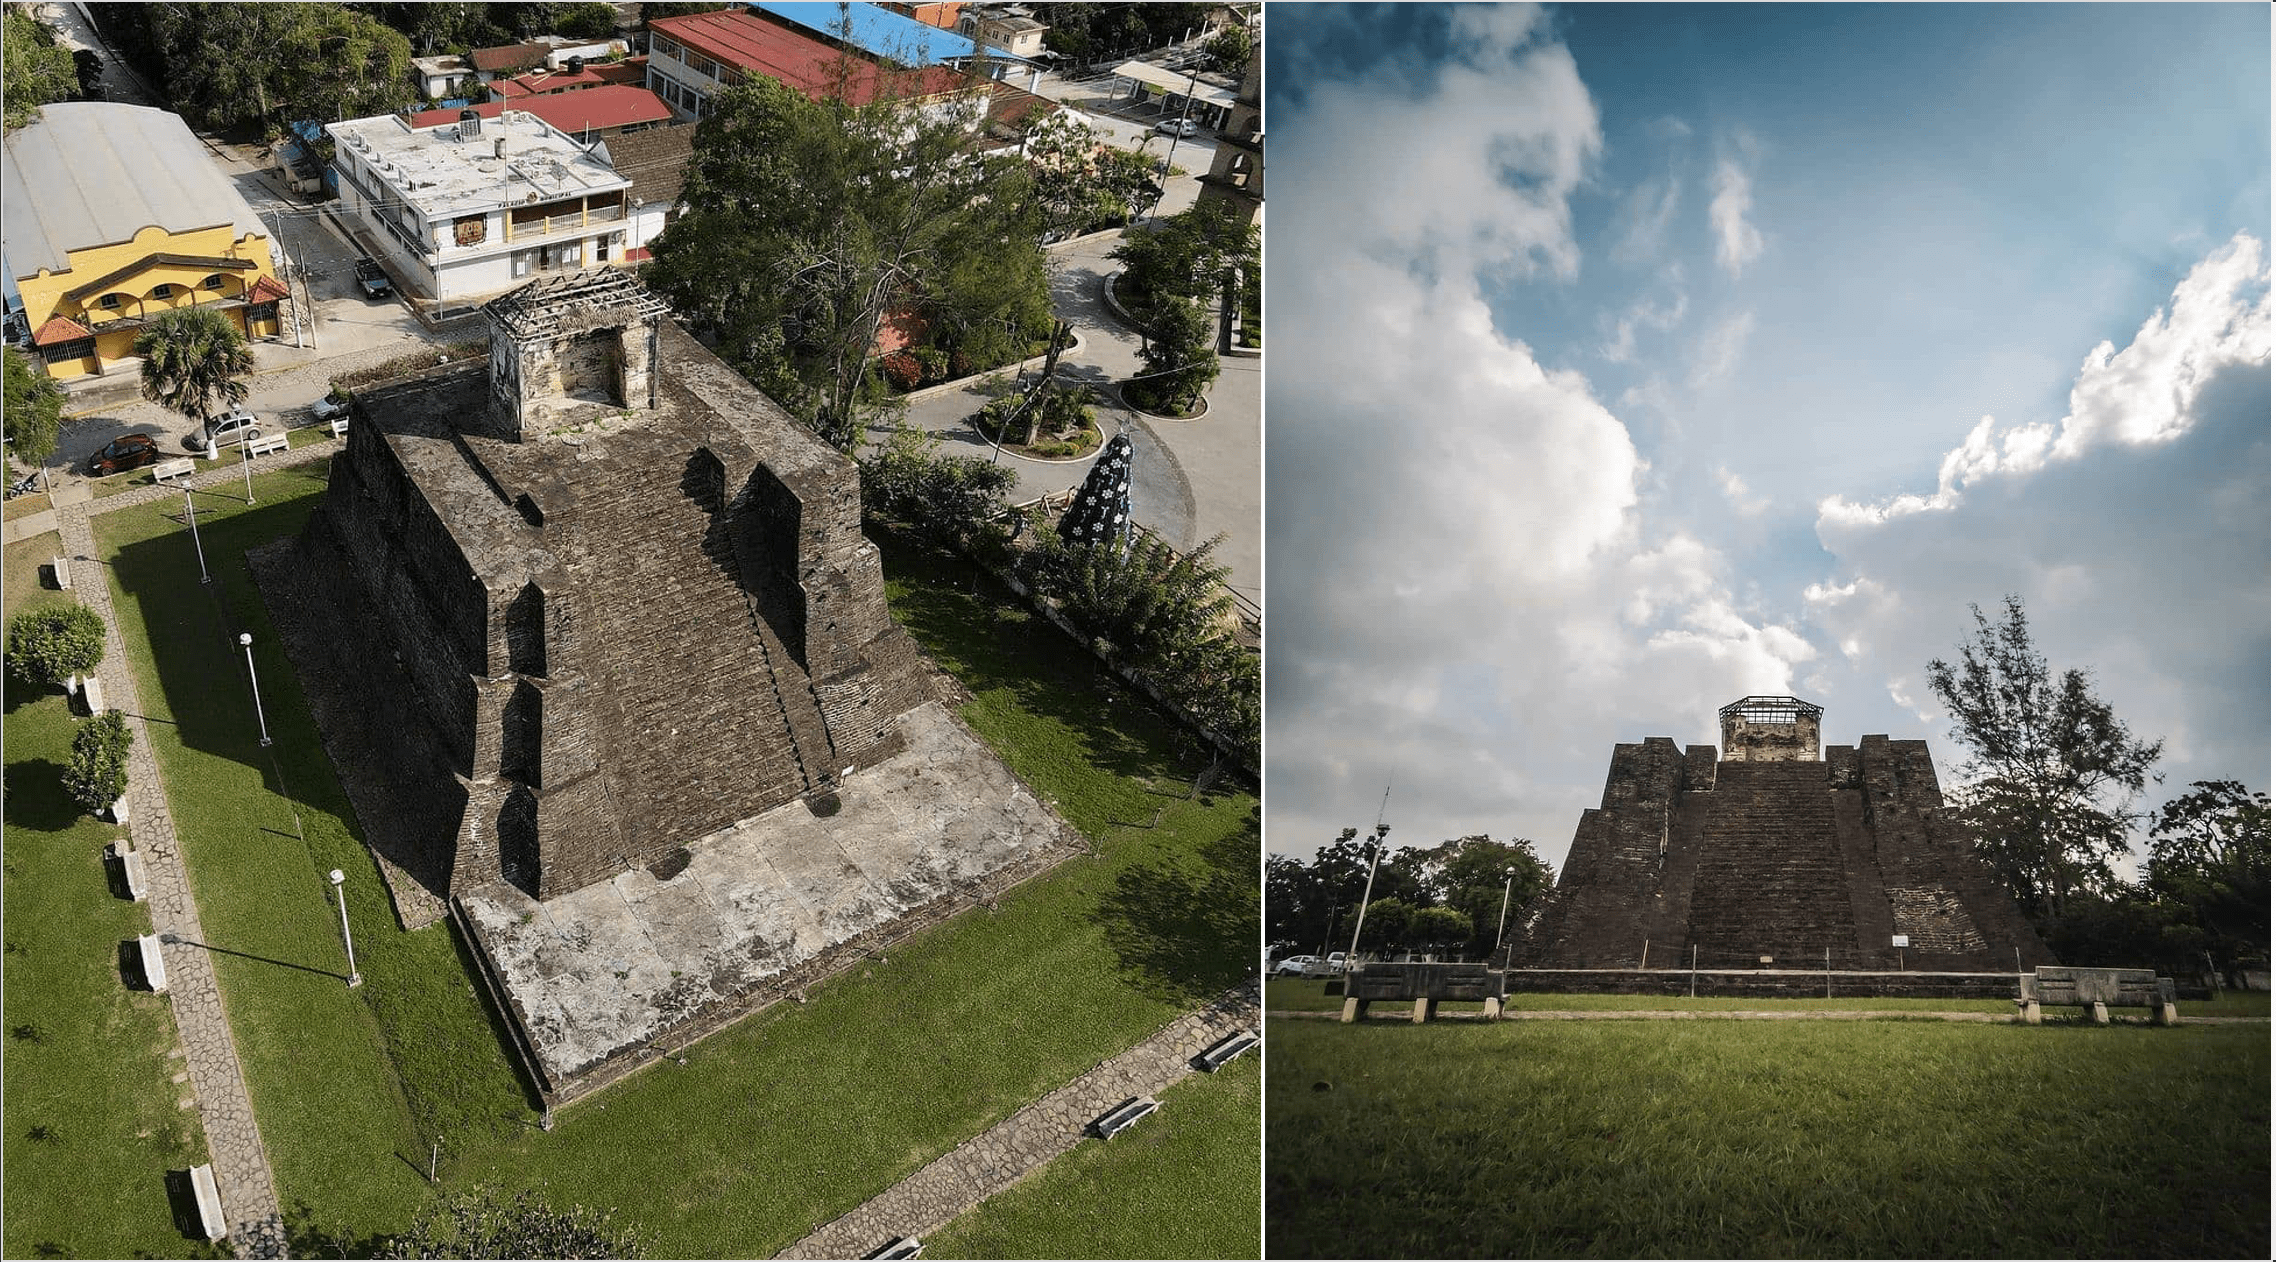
[733,37]
[59,330]
[613,105]
[545,82]
[267,289]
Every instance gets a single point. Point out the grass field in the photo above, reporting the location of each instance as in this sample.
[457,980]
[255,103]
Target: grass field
[92,1124]
[775,1125]
[1192,1164]
[1766,1139]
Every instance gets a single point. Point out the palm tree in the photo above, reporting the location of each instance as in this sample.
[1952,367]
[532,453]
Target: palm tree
[194,361]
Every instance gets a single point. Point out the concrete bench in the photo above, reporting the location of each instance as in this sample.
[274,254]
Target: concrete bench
[340,428]
[153,964]
[165,469]
[94,694]
[1120,1118]
[898,1247]
[131,868]
[266,446]
[2096,990]
[1427,985]
[209,1202]
[62,568]
[1213,1057]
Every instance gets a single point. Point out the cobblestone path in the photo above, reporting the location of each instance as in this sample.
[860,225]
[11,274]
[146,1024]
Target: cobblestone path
[233,1137]
[1008,1151]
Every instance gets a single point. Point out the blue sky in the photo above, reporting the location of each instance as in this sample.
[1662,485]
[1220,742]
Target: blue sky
[1627,359]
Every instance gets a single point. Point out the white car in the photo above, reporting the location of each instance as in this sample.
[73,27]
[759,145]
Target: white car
[1184,128]
[228,429]
[1297,965]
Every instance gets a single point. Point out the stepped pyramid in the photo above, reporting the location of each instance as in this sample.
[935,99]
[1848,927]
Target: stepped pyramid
[1771,852]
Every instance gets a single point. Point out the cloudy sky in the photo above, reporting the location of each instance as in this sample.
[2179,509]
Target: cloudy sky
[1629,359]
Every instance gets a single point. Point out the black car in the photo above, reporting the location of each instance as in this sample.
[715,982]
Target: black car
[130,451]
[374,281]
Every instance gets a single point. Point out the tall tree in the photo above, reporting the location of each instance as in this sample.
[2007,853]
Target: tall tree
[809,222]
[194,361]
[235,64]
[2209,854]
[1472,874]
[39,69]
[1084,183]
[34,407]
[2053,774]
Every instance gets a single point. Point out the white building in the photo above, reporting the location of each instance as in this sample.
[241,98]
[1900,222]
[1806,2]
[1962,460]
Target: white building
[481,205]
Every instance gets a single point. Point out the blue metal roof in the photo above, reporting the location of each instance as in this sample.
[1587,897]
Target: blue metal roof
[875,30]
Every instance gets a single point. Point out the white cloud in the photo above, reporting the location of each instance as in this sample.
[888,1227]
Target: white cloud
[1737,242]
[1646,314]
[1719,352]
[1466,582]
[1743,501]
[1639,227]
[2218,318]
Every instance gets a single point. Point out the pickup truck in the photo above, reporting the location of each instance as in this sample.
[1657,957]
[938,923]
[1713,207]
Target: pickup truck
[374,281]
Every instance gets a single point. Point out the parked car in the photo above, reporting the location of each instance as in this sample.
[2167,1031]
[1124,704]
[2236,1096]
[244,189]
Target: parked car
[1183,128]
[1295,965]
[232,427]
[328,409]
[128,451]
[372,278]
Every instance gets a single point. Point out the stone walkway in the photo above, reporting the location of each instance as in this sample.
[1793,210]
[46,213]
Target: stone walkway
[1015,1147]
[233,1136]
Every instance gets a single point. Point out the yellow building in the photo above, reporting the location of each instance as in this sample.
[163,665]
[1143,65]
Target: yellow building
[115,214]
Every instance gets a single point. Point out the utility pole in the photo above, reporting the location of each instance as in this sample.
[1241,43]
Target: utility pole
[1382,829]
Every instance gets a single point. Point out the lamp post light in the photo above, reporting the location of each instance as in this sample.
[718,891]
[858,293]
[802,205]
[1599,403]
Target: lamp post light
[340,891]
[1503,923]
[245,638]
[190,510]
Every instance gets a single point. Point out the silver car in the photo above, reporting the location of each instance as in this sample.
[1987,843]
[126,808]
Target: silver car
[226,430]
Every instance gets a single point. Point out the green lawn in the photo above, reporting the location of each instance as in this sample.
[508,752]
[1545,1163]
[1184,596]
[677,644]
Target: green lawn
[1181,1183]
[1769,1139]
[1288,994]
[775,1125]
[93,1128]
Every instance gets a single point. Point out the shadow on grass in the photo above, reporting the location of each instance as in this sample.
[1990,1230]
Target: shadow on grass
[37,799]
[21,694]
[966,617]
[258,959]
[1183,934]
[305,1239]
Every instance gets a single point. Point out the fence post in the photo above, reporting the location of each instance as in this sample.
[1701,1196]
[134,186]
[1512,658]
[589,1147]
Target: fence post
[1694,970]
[1646,962]
[1829,972]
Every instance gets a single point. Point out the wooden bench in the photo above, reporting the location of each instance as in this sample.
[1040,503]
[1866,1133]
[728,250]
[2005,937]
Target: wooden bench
[2096,990]
[1213,1057]
[340,428]
[165,469]
[1425,984]
[62,568]
[131,868]
[266,446]
[209,1202]
[1120,1118]
[153,964]
[898,1247]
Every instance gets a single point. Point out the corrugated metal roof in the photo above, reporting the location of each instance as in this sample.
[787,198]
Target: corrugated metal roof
[877,31]
[745,42]
[1171,81]
[94,173]
[611,105]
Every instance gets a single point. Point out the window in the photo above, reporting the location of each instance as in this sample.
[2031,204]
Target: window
[523,259]
[162,291]
[212,282]
[78,348]
[108,302]
[471,229]
[666,48]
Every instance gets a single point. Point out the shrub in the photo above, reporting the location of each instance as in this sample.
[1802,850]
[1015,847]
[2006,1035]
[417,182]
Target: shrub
[47,646]
[950,499]
[96,775]
[901,369]
[1181,361]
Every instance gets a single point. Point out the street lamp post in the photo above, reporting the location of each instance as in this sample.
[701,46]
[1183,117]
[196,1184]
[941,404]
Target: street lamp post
[245,457]
[340,891]
[1503,923]
[1351,958]
[245,638]
[190,510]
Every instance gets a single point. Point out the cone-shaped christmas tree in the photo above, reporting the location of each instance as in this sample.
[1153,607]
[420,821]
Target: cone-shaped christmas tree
[1101,509]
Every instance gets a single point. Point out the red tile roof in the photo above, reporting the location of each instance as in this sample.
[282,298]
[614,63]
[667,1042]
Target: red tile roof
[602,108]
[267,289]
[632,70]
[733,37]
[59,330]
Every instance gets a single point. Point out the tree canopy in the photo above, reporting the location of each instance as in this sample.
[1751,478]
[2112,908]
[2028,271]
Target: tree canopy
[484,1222]
[48,646]
[1307,903]
[2053,773]
[2209,857]
[810,222]
[1082,182]
[34,410]
[95,776]
[231,65]
[40,70]
[194,361]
